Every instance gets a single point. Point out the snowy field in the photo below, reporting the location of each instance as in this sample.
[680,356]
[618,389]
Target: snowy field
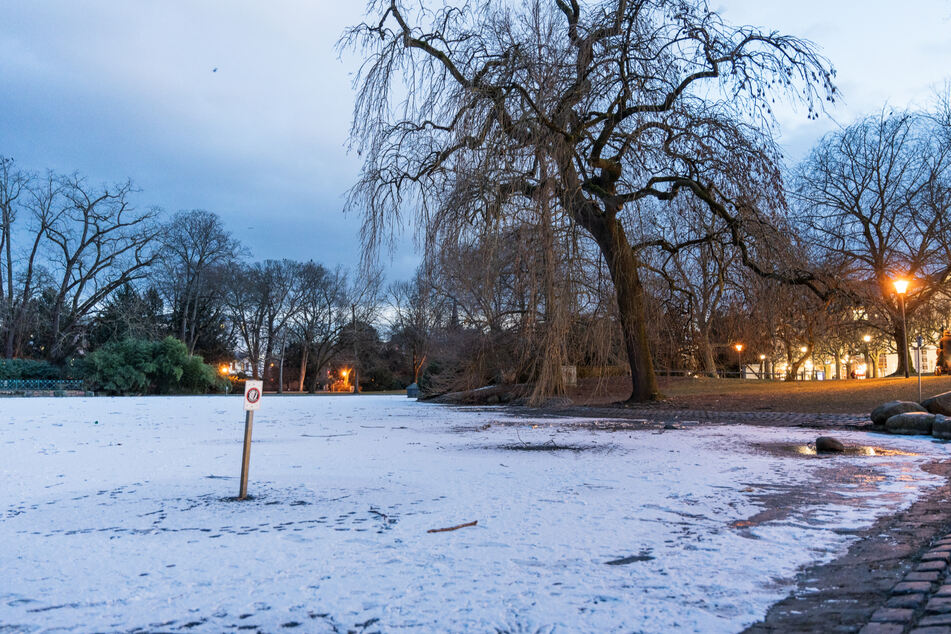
[115,516]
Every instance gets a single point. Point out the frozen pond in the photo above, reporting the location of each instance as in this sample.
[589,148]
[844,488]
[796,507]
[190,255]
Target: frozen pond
[114,515]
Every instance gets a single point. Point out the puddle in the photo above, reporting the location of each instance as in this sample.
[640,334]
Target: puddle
[809,450]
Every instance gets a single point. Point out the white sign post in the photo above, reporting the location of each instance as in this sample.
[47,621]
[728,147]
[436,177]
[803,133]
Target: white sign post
[252,402]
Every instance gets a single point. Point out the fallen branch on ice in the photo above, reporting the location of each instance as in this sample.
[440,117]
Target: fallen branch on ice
[452,528]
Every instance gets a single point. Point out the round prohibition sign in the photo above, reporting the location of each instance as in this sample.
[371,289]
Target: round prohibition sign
[254,395]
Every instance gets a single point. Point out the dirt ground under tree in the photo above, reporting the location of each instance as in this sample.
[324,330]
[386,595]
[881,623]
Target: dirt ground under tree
[851,396]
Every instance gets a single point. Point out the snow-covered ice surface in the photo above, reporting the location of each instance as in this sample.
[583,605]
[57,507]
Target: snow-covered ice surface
[115,515]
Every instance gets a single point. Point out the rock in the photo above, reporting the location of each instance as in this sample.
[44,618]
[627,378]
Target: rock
[941,427]
[910,423]
[940,404]
[828,444]
[885,411]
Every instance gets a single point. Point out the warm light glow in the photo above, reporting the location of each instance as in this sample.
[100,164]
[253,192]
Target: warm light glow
[762,357]
[863,369]
[808,363]
[223,369]
[739,347]
[901,286]
[343,373]
[867,338]
[804,349]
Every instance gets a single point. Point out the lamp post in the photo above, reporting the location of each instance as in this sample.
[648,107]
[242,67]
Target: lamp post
[868,358]
[901,287]
[739,356]
[762,366]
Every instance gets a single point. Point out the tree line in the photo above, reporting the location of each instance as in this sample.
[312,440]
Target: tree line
[83,269]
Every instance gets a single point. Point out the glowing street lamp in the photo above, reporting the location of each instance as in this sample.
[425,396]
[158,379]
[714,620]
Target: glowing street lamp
[901,287]
[868,357]
[762,366]
[739,356]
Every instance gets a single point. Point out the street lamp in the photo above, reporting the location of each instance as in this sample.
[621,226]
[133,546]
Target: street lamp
[739,356]
[868,357]
[901,287]
[762,365]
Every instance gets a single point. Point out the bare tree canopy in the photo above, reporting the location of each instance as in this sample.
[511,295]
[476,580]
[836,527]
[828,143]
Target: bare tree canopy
[67,245]
[875,202]
[195,246]
[465,110]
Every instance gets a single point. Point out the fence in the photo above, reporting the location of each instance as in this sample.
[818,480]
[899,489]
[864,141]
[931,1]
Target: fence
[26,385]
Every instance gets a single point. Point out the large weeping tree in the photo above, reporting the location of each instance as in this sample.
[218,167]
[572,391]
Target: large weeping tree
[467,111]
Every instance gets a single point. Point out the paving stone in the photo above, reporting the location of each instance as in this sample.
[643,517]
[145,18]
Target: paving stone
[939,604]
[935,619]
[931,575]
[912,601]
[892,615]
[932,555]
[937,629]
[906,587]
[931,565]
[882,628]
[944,591]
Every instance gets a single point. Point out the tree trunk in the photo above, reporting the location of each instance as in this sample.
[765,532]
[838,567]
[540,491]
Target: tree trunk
[417,366]
[838,365]
[629,292]
[303,366]
[707,361]
[904,358]
[11,323]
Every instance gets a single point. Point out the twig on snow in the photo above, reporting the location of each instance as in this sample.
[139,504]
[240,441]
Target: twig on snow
[452,528]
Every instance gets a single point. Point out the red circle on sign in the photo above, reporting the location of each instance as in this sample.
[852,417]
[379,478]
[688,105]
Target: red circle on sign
[253,395]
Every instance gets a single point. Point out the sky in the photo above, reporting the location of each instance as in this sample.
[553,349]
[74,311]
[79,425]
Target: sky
[243,107]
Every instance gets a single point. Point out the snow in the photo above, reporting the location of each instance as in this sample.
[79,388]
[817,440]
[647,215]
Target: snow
[118,513]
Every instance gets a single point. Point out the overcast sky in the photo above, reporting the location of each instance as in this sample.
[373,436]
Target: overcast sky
[127,88]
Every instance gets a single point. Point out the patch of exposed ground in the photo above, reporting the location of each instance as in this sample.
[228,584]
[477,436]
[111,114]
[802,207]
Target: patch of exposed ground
[840,596]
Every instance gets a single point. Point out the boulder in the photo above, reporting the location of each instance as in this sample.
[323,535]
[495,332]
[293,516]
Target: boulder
[885,411]
[828,444]
[941,427]
[910,423]
[940,404]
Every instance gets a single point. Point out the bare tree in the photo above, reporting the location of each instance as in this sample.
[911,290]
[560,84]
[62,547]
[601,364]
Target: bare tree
[324,313]
[77,244]
[875,199]
[98,242]
[598,105]
[195,244]
[263,298]
[13,184]
[415,313]
[698,272]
